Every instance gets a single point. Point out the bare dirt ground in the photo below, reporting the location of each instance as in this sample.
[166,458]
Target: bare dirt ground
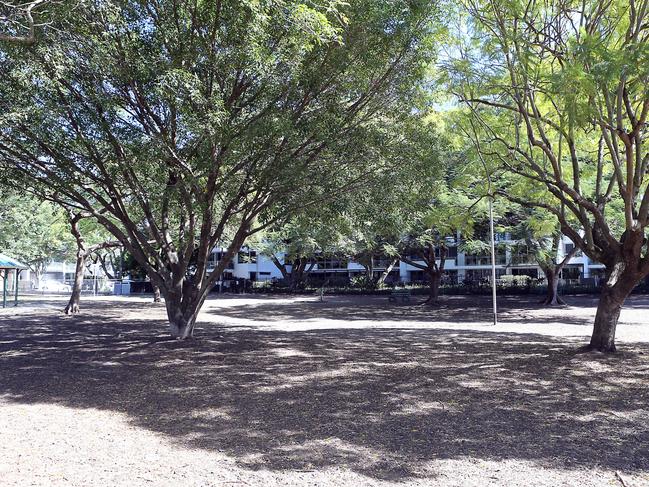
[350,391]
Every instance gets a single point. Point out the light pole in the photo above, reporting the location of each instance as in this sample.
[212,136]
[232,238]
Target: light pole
[95,267]
[493,253]
[476,141]
[493,239]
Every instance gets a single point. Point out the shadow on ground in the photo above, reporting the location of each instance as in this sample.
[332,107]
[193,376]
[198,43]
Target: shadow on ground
[380,402]
[453,309]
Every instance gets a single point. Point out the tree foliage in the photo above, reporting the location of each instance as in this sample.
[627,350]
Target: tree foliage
[295,246]
[22,20]
[33,231]
[178,125]
[557,92]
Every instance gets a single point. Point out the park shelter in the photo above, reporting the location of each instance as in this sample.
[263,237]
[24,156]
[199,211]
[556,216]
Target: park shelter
[7,265]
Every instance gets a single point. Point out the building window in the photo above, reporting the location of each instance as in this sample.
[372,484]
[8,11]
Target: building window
[572,272]
[569,247]
[451,252]
[331,278]
[247,256]
[521,255]
[384,262]
[449,277]
[484,259]
[331,263]
[216,257]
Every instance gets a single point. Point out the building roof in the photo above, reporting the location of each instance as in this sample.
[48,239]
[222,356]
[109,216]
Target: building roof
[7,262]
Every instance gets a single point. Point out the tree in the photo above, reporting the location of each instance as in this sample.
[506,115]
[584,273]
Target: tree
[445,194]
[110,261]
[434,230]
[375,219]
[540,235]
[18,18]
[85,248]
[179,125]
[558,90]
[365,224]
[295,246]
[546,251]
[366,243]
[33,231]
[36,232]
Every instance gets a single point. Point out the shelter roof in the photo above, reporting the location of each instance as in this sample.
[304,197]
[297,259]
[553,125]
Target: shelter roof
[7,262]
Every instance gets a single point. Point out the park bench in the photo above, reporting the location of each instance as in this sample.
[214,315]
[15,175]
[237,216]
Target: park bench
[400,294]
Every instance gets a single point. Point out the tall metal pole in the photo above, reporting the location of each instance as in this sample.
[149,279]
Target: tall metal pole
[493,257]
[491,228]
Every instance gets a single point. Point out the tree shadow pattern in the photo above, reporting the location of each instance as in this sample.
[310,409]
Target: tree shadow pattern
[454,309]
[382,402]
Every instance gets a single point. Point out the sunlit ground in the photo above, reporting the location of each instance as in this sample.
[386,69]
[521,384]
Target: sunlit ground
[349,391]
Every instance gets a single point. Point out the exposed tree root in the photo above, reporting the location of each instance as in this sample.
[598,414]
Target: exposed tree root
[71,309]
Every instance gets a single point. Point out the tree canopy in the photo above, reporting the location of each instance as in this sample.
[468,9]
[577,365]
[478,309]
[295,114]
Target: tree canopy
[557,92]
[33,231]
[182,126]
[178,125]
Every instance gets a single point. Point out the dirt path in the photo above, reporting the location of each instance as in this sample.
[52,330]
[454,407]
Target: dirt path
[351,391]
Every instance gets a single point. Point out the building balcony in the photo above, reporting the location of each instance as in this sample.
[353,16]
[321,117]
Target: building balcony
[482,260]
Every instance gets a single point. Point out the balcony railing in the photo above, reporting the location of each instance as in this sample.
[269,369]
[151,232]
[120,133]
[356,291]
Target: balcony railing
[213,263]
[481,260]
[522,259]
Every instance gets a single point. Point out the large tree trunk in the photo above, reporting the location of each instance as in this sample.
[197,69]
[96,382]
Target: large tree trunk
[435,272]
[433,289]
[369,269]
[297,273]
[181,327]
[182,316]
[620,281]
[300,271]
[39,270]
[367,262]
[552,298]
[75,297]
[184,295]
[102,261]
[387,271]
[281,266]
[552,270]
[608,312]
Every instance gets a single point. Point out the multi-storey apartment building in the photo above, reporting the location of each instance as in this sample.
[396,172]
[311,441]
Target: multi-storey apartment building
[251,266]
[460,266]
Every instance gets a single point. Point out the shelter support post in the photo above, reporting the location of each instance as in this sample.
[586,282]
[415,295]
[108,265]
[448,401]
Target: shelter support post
[5,281]
[16,287]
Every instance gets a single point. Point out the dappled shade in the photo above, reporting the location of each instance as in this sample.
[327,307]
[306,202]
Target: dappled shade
[381,402]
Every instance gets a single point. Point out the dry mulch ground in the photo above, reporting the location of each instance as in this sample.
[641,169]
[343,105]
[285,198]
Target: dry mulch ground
[351,391]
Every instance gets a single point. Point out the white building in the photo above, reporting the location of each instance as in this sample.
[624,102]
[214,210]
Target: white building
[250,266]
[461,266]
